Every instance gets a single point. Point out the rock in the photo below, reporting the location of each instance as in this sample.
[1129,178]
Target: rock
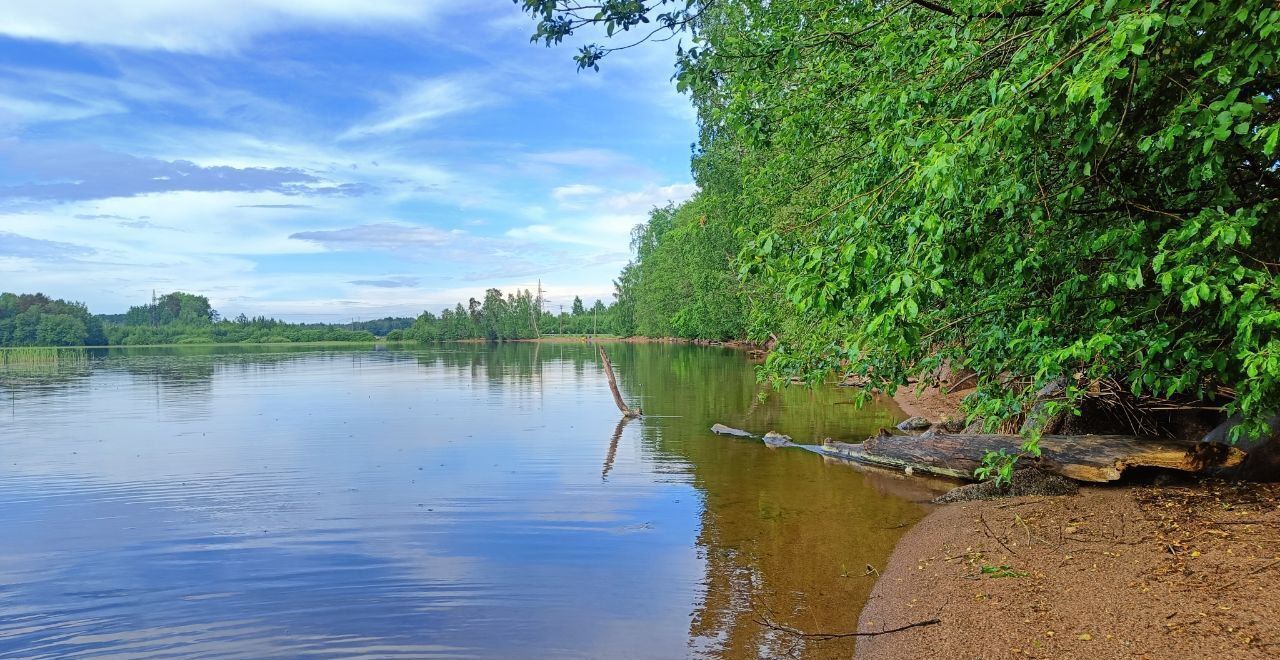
[773,439]
[951,425]
[914,424]
[721,429]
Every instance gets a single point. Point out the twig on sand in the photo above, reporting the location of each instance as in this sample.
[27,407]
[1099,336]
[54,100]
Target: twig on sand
[825,636]
[993,535]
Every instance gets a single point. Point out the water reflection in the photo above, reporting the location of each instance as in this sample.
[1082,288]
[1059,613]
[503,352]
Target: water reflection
[461,501]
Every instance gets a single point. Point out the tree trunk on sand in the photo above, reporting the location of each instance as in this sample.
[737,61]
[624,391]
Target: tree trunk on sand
[613,387]
[1095,458]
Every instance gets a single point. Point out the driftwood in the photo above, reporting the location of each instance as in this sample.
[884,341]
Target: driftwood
[721,429]
[1095,458]
[626,410]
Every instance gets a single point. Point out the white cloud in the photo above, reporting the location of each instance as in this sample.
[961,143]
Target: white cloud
[199,26]
[641,201]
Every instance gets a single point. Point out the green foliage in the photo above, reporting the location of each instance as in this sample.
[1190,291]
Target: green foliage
[1001,571]
[1046,190]
[34,319]
[683,281]
[996,466]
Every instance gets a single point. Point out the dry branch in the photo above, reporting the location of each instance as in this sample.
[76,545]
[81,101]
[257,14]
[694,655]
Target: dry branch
[613,387]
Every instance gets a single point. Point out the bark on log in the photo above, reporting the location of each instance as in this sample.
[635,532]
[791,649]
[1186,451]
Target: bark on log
[613,387]
[1094,458]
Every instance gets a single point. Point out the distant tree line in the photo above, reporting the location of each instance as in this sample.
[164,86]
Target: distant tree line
[174,318]
[513,316]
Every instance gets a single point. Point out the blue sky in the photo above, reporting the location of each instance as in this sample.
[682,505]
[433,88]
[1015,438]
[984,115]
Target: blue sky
[322,159]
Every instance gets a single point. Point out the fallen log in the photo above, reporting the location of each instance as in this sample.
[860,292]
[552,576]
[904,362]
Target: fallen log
[1093,458]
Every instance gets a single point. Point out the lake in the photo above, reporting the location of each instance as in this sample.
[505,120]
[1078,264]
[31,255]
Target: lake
[454,501]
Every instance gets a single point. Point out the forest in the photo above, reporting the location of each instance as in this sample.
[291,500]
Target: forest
[1048,193]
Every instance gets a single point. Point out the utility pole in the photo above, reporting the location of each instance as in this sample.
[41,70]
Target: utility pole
[561,317]
[153,308]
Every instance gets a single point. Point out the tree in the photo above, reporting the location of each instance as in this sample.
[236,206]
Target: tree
[38,320]
[1043,191]
[578,309]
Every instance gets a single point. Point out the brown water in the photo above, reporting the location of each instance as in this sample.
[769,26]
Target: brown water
[462,501]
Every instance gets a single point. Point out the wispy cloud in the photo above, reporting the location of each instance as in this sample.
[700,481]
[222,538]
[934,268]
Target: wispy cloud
[16,245]
[145,224]
[200,26]
[389,283]
[378,236]
[424,102]
[58,172]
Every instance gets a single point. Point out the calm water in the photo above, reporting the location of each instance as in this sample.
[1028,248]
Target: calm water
[465,501]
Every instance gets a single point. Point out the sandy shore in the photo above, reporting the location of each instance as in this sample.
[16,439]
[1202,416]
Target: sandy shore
[1121,572]
[930,403]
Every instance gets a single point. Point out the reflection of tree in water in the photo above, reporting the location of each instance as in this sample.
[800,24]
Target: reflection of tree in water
[786,539]
[180,375]
[23,382]
[785,536]
[496,364]
[613,447]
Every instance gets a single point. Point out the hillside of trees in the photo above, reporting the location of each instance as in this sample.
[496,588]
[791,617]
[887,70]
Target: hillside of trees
[1050,193]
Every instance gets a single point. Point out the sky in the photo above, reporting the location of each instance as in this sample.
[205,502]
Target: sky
[322,160]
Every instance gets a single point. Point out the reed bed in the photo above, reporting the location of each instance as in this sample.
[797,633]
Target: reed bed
[41,356]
